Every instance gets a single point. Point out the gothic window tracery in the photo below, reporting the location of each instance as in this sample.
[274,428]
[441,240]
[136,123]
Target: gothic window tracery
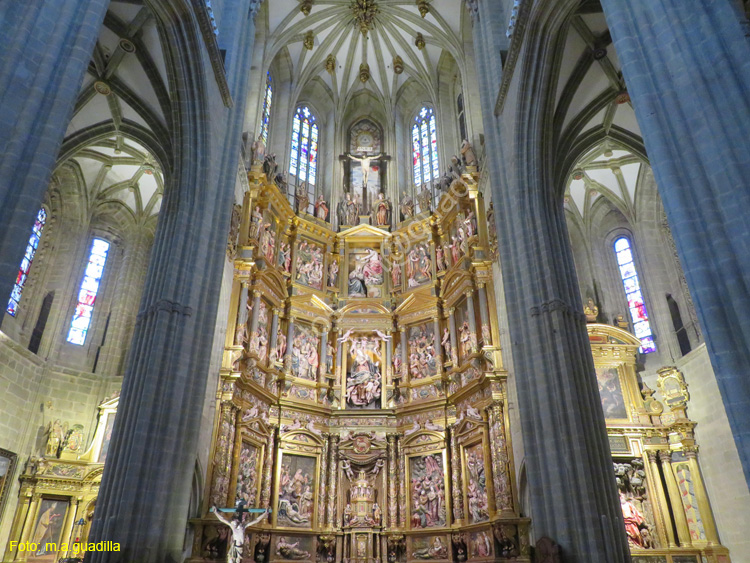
[28,258]
[266,113]
[88,290]
[634,294]
[303,159]
[424,147]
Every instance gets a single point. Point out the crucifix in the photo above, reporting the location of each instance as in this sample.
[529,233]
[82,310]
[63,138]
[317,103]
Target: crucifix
[370,188]
[238,527]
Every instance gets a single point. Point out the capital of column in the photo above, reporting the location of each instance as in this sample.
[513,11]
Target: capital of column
[665,456]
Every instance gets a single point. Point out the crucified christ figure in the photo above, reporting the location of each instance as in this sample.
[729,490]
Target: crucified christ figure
[365,161]
[234,551]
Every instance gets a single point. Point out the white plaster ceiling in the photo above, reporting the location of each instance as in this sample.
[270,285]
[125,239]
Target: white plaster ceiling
[393,33]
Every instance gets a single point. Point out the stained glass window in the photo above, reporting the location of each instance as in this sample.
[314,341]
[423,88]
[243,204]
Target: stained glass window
[266,115]
[634,295]
[424,147]
[92,277]
[303,160]
[28,257]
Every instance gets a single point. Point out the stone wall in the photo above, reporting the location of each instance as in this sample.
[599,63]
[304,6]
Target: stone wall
[34,393]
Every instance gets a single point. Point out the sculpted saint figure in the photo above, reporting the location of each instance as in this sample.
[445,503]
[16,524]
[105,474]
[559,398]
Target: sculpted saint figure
[423,198]
[467,151]
[342,207]
[352,211]
[321,208]
[382,210]
[302,197]
[407,206]
[259,149]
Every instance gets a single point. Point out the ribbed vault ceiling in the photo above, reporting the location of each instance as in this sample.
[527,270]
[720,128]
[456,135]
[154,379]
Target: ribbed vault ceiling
[334,28]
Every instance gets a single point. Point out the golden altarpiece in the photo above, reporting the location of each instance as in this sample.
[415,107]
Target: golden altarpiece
[363,396]
[655,458]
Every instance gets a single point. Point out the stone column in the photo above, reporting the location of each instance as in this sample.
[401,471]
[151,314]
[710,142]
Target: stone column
[222,462]
[401,484]
[323,482]
[653,476]
[551,351]
[454,339]
[392,482]
[456,483]
[678,510]
[500,459]
[333,472]
[484,316]
[47,46]
[265,490]
[681,99]
[164,389]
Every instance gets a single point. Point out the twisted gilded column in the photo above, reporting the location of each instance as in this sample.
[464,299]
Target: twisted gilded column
[392,482]
[333,471]
[222,462]
[456,483]
[323,481]
[265,490]
[500,459]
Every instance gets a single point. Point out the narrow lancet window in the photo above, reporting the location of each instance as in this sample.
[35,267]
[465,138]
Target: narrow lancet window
[424,147]
[266,115]
[634,295]
[92,277]
[28,258]
[303,160]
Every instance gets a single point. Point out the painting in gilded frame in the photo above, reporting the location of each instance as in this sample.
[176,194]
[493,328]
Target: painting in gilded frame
[305,354]
[423,361]
[610,392]
[476,484]
[7,467]
[427,491]
[48,527]
[480,545]
[296,504]
[247,474]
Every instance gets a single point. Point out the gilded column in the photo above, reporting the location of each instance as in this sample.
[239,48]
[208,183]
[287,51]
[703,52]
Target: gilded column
[389,358]
[401,484]
[500,475]
[471,314]
[484,315]
[289,344]
[254,342]
[438,349]
[222,469]
[274,336]
[333,450]
[404,354]
[392,481]
[240,332]
[666,531]
[683,532]
[265,492]
[323,481]
[322,357]
[454,339]
[709,525]
[69,521]
[456,484]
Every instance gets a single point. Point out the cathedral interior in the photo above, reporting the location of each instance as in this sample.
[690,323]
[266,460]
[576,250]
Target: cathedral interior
[375,281]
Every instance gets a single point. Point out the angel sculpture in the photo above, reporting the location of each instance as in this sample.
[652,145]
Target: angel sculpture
[471,412]
[378,466]
[415,428]
[250,414]
[311,427]
[429,425]
[346,465]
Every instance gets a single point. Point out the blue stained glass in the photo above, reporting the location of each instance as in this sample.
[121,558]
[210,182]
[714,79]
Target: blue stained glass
[424,146]
[79,326]
[304,151]
[266,115]
[26,261]
[634,296]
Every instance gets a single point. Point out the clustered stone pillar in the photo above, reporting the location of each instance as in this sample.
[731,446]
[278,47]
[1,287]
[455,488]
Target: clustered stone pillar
[392,478]
[265,490]
[323,481]
[500,459]
[457,488]
[333,471]
[484,315]
[222,462]
[47,47]
[698,150]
